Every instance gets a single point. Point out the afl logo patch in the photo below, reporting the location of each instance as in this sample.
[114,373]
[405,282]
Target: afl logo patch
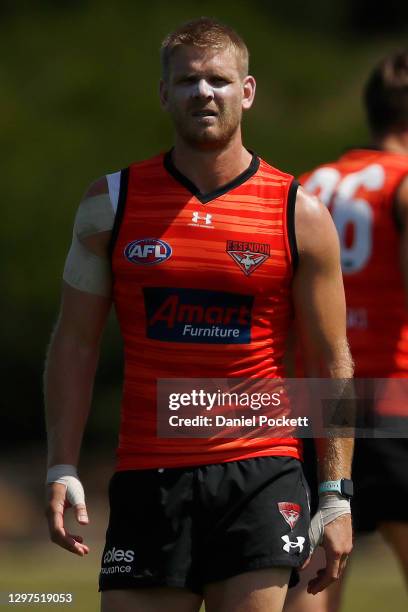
[147,251]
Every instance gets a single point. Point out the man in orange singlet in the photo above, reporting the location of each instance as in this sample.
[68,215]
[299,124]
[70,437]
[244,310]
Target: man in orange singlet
[366,191]
[207,253]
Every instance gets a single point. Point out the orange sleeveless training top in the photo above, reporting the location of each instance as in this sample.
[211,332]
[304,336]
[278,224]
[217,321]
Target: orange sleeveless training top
[202,289]
[359,190]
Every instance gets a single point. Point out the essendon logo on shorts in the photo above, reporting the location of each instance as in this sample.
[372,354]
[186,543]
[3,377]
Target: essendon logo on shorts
[248,255]
[196,315]
[290,512]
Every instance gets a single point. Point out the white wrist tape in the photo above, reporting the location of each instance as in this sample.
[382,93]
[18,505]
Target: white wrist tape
[331,506]
[67,475]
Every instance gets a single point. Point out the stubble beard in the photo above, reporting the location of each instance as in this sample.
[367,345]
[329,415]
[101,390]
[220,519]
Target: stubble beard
[208,139]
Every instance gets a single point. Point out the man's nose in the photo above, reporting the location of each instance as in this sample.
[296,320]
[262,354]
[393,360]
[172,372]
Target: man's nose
[203,89]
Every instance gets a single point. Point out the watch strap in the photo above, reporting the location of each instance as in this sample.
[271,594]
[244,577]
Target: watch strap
[330,486]
[343,487]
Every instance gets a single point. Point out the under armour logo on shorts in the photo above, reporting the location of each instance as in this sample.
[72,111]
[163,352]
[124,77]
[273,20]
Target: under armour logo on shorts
[289,545]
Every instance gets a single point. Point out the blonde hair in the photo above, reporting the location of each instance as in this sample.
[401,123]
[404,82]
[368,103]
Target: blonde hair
[204,33]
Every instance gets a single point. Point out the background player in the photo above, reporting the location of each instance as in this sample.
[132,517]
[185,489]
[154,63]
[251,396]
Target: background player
[366,191]
[180,513]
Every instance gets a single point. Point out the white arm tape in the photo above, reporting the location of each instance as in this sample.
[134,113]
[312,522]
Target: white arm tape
[330,507]
[67,475]
[87,271]
[84,270]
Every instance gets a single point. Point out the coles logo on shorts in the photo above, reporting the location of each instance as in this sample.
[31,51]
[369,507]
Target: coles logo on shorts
[147,251]
[196,315]
[115,555]
[117,561]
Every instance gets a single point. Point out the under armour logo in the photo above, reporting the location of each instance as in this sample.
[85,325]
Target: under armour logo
[197,217]
[289,545]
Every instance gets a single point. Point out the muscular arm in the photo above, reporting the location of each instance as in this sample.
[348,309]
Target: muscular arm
[70,370]
[69,375]
[74,348]
[321,321]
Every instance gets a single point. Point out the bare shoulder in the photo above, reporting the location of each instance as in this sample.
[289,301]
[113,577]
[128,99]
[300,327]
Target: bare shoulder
[316,234]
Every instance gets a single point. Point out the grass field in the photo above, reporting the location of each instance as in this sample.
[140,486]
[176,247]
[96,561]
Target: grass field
[375,583]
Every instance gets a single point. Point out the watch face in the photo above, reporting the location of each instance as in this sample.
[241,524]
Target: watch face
[347,487]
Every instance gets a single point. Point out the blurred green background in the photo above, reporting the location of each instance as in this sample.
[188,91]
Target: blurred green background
[78,99]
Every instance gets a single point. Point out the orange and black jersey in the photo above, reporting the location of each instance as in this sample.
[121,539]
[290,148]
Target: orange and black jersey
[202,289]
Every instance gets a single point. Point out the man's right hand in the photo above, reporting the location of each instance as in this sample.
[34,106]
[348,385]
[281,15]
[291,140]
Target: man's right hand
[56,507]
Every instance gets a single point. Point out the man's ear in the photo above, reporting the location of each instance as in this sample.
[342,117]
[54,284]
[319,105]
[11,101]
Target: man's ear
[249,87]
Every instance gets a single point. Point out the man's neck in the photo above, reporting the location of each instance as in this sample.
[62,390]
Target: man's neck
[394,143]
[210,170]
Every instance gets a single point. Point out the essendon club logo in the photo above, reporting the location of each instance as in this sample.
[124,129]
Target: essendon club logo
[248,255]
[290,512]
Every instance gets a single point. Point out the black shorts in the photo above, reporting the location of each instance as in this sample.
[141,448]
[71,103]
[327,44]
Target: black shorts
[186,527]
[380,474]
